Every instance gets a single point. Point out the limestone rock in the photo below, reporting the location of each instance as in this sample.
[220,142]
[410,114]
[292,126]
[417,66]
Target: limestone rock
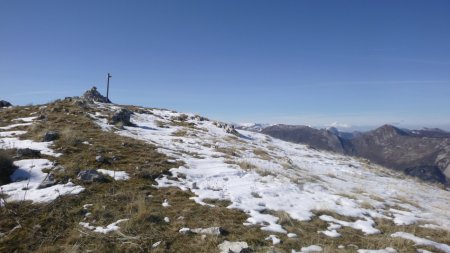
[47,182]
[91,176]
[233,247]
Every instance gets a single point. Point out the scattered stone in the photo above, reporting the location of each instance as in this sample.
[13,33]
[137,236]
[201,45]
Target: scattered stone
[165,203]
[185,231]
[47,182]
[101,159]
[93,95]
[42,117]
[156,244]
[91,176]
[86,206]
[50,136]
[59,168]
[28,152]
[122,117]
[233,247]
[4,103]
[209,231]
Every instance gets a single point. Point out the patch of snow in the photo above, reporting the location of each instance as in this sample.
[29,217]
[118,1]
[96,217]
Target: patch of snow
[331,230]
[403,217]
[87,206]
[423,251]
[11,133]
[422,241]
[26,179]
[312,248]
[104,230]
[117,175]
[12,143]
[386,250]
[366,226]
[291,235]
[274,238]
[184,230]
[26,119]
[165,203]
[14,126]
[331,233]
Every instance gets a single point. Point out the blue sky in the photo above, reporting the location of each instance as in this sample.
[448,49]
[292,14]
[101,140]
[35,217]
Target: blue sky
[359,63]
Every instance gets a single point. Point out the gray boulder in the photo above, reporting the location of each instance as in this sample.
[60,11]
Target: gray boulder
[47,182]
[4,103]
[91,176]
[50,136]
[93,95]
[122,117]
[233,247]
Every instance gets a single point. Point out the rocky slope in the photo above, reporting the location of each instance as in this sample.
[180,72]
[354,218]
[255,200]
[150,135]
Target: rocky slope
[420,153]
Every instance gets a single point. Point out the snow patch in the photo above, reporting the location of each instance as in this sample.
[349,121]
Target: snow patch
[104,230]
[422,241]
[116,175]
[26,179]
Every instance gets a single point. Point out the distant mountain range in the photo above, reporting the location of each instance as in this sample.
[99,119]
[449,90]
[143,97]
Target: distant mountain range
[421,153]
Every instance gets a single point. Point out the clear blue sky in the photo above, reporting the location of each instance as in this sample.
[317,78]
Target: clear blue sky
[362,63]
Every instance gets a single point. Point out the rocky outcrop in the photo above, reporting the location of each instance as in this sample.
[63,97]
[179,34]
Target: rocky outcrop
[4,103]
[93,95]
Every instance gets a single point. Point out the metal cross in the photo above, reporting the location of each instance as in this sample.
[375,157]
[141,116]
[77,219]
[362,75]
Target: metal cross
[107,87]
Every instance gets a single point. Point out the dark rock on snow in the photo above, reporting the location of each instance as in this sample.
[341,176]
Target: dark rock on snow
[123,117]
[91,176]
[47,182]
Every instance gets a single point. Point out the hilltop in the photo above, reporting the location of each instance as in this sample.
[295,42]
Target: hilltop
[92,176]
